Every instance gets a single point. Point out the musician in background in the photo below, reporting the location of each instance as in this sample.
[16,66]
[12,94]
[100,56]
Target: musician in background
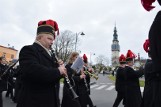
[84,86]
[40,70]
[18,83]
[155,49]
[133,96]
[120,82]
[3,82]
[148,94]
[10,81]
[68,100]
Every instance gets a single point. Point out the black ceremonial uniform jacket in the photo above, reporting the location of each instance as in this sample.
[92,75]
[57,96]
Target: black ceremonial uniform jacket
[155,43]
[68,97]
[120,80]
[40,75]
[83,89]
[155,49]
[148,94]
[132,90]
[3,81]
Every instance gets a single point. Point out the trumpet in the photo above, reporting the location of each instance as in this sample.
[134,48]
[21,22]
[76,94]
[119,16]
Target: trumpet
[91,75]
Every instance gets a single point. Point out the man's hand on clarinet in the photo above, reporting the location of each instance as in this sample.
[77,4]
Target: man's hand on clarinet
[63,70]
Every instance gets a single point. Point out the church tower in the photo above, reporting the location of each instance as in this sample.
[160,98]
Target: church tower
[115,48]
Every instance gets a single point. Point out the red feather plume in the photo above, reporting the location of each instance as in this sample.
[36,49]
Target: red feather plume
[147,4]
[51,23]
[122,58]
[146,45]
[130,54]
[85,58]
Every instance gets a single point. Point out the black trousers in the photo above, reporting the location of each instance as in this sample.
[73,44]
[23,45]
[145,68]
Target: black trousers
[9,91]
[90,103]
[119,98]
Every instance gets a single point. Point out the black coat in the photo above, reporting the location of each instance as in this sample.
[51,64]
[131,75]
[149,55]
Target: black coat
[83,90]
[40,75]
[120,80]
[155,42]
[148,93]
[68,99]
[133,96]
[155,47]
[3,81]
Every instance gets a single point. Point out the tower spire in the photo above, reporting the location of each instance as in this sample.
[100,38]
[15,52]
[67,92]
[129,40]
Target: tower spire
[115,36]
[115,48]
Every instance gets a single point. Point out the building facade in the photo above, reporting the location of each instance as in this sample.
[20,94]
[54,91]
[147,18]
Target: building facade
[115,48]
[8,52]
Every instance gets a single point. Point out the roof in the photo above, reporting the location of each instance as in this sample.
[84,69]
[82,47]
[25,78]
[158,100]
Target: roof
[8,48]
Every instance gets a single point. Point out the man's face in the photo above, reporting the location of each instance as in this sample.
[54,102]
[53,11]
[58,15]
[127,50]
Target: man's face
[2,61]
[46,40]
[131,63]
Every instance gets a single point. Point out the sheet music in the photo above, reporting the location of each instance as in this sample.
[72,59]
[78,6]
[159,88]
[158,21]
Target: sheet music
[78,64]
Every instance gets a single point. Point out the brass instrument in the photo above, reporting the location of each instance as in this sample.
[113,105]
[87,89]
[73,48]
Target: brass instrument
[8,69]
[91,75]
[74,95]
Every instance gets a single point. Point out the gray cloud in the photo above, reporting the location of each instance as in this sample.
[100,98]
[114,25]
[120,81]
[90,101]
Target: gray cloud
[96,18]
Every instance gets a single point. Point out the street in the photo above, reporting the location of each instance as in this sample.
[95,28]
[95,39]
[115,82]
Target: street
[103,93]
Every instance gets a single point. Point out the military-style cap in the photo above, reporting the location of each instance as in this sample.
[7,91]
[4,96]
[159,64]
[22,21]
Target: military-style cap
[130,55]
[48,27]
[122,59]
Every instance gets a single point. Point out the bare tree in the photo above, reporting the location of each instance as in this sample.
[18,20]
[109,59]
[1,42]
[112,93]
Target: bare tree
[100,59]
[106,61]
[64,45]
[102,62]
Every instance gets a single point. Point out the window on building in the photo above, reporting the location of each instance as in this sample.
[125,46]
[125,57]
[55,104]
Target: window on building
[4,54]
[12,56]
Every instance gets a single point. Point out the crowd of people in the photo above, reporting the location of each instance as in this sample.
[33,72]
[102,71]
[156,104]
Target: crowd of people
[127,82]
[9,79]
[127,79]
[39,72]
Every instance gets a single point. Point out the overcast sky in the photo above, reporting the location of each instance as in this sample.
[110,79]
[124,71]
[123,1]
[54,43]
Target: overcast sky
[96,18]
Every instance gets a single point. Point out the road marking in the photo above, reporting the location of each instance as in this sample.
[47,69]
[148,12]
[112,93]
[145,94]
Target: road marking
[102,83]
[111,87]
[105,83]
[109,83]
[61,85]
[101,87]
[92,86]
[142,89]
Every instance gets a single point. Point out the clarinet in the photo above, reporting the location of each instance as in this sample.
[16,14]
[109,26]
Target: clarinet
[74,95]
[71,88]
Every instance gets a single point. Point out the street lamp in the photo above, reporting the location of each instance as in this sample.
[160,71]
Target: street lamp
[80,33]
